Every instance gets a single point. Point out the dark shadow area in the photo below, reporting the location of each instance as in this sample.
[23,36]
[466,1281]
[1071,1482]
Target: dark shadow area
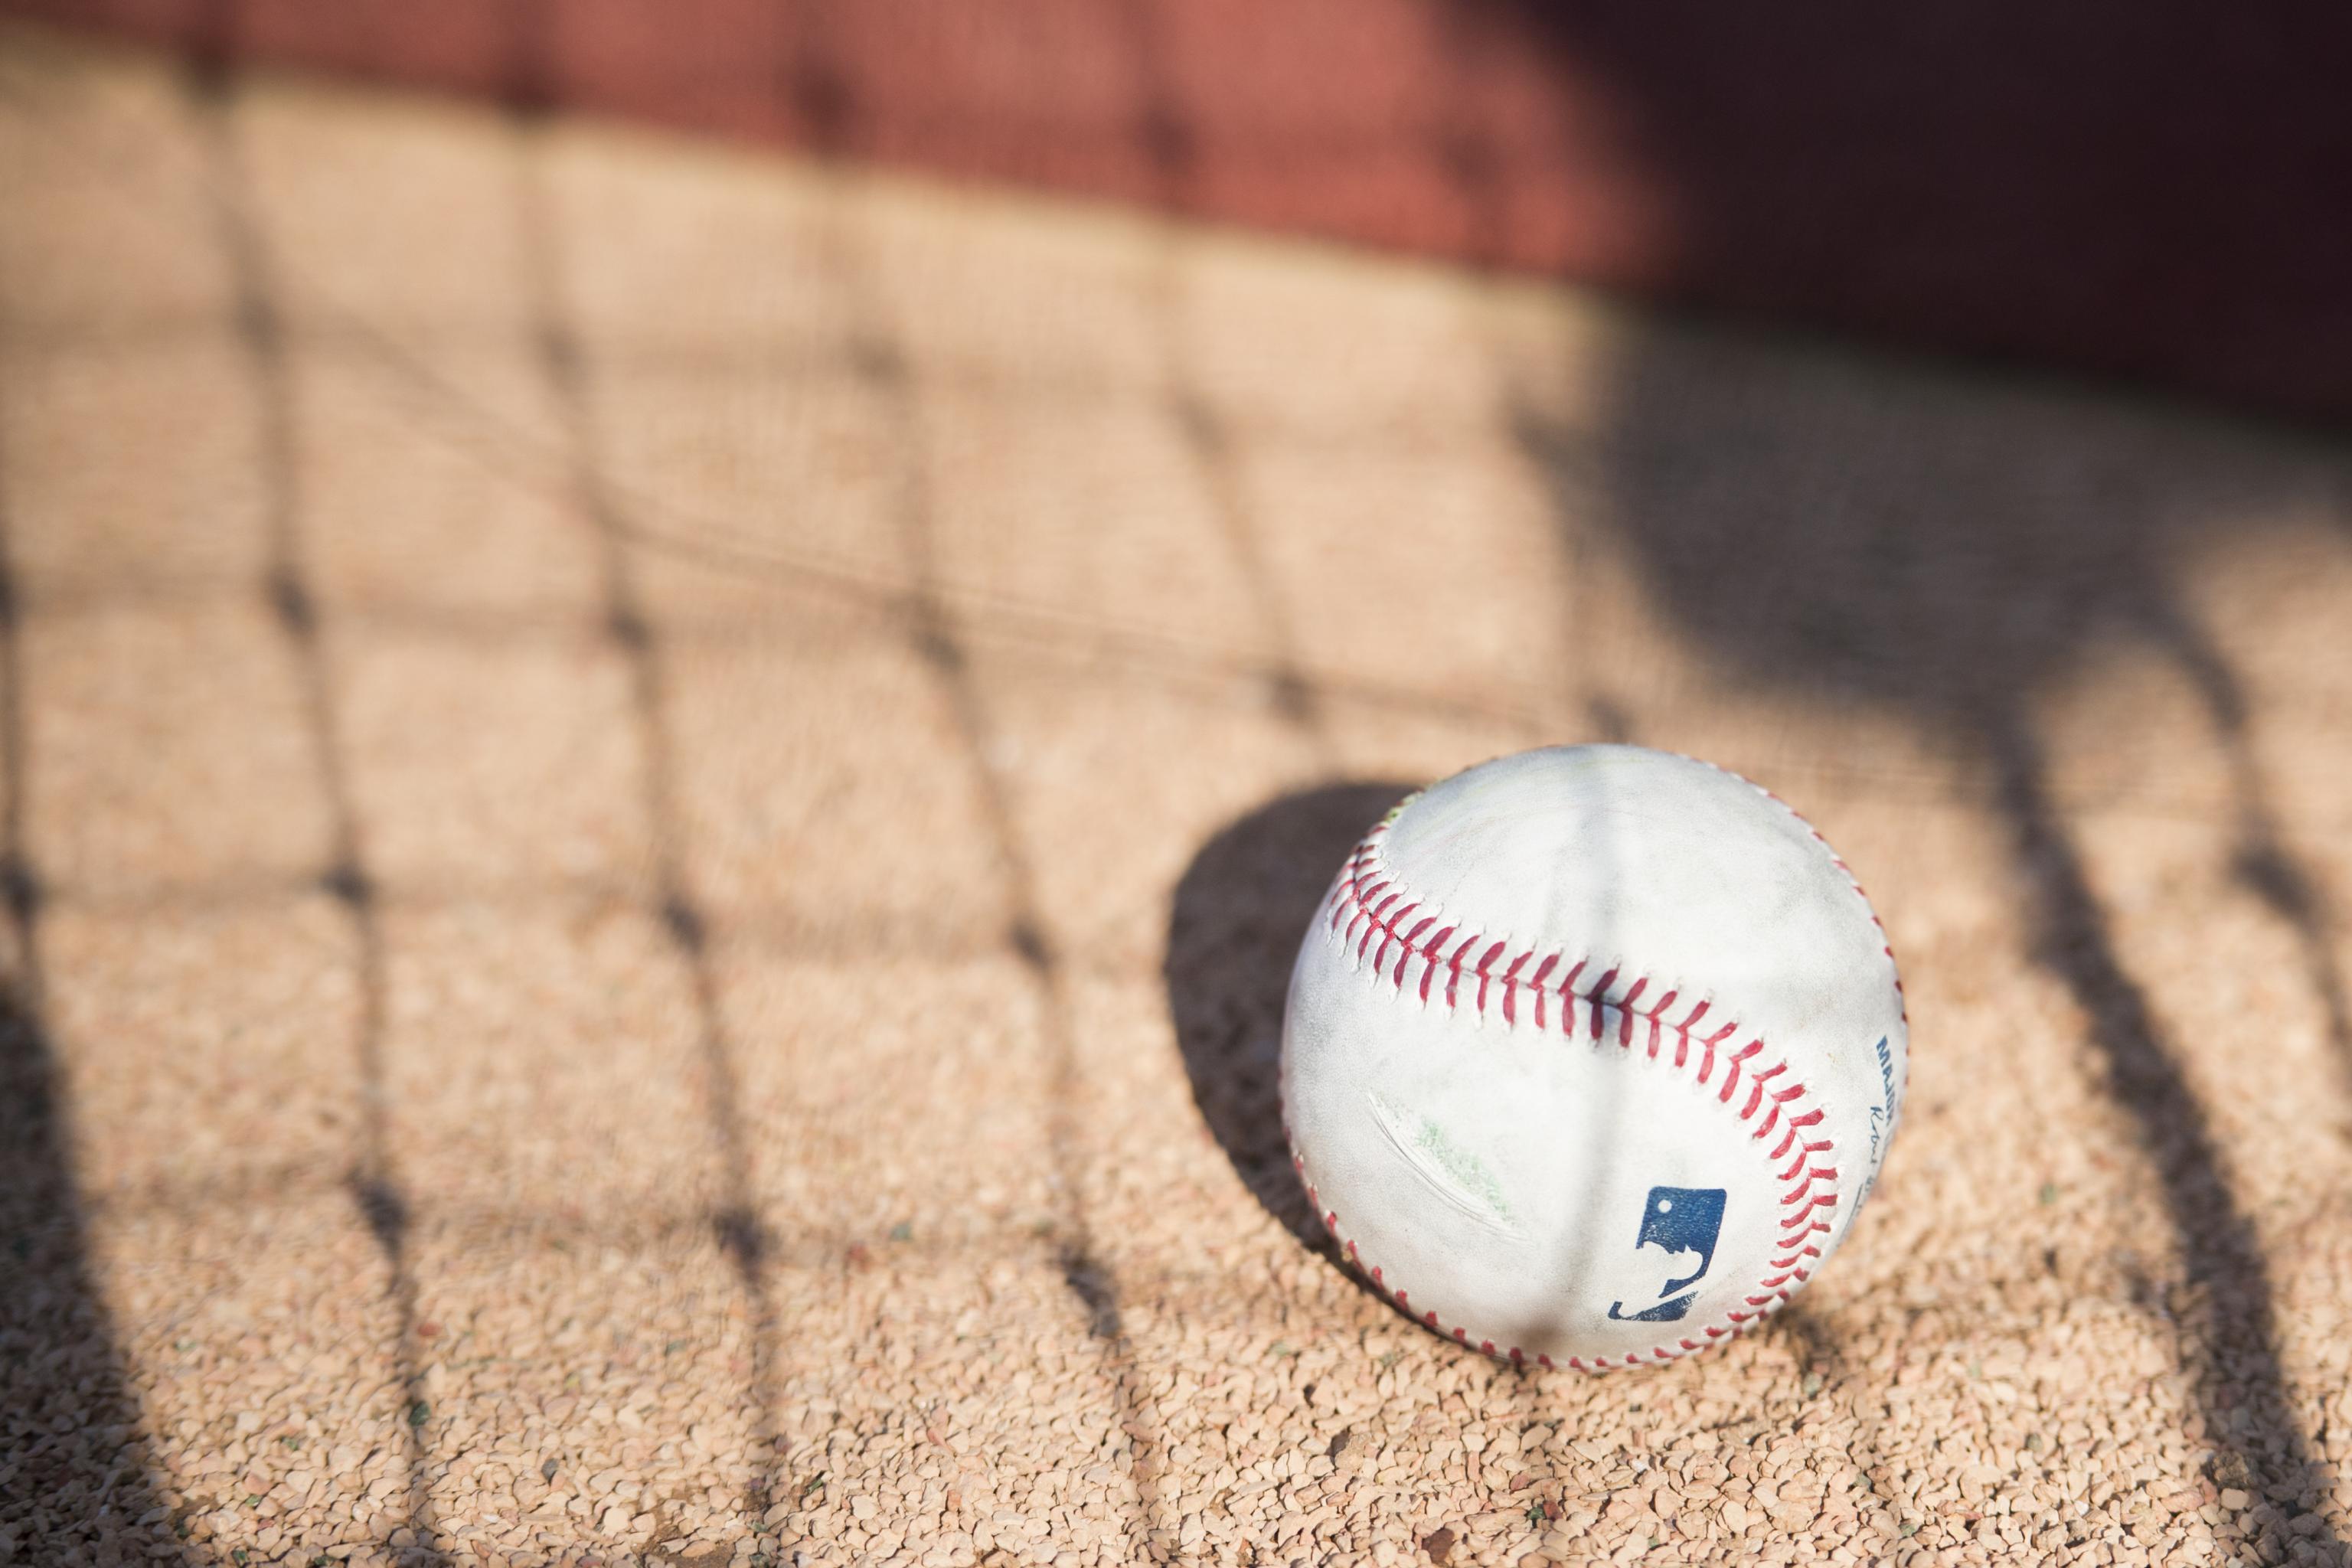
[1951,553]
[1240,912]
[75,1467]
[2131,192]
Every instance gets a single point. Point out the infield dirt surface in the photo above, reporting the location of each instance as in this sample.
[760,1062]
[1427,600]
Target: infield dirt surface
[658,799]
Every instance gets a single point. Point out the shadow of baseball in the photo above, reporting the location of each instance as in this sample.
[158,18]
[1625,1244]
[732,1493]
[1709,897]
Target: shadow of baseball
[1240,912]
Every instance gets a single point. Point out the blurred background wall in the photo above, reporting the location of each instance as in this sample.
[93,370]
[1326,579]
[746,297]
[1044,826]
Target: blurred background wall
[2155,192]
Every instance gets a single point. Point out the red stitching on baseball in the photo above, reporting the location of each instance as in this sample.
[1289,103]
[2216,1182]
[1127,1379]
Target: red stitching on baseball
[1484,964]
[1511,987]
[1436,942]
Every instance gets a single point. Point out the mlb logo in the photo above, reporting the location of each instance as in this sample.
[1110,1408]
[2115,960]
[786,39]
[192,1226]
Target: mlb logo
[1676,1246]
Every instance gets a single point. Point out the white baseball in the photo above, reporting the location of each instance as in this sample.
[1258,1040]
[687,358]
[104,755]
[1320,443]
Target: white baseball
[1592,1055]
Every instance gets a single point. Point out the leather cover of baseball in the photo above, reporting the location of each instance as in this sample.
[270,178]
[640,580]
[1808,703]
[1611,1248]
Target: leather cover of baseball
[1592,1055]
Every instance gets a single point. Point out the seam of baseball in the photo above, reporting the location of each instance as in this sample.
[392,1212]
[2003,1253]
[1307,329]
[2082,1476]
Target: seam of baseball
[1369,899]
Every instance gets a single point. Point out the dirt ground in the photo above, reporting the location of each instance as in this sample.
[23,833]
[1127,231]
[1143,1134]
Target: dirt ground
[657,800]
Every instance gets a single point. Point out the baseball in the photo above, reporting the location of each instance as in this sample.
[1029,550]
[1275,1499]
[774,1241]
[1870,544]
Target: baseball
[1592,1055]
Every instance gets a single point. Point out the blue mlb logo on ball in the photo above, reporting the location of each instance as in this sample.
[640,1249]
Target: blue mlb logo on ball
[1683,1224]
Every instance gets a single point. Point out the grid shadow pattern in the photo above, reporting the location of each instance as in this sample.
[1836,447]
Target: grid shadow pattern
[1081,1305]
